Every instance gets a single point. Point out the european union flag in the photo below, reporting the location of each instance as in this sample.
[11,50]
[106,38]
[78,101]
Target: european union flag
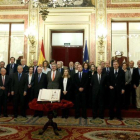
[86,57]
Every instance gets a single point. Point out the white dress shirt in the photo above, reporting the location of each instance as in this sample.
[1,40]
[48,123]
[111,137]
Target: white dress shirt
[76,71]
[99,77]
[65,80]
[131,70]
[30,78]
[116,70]
[46,71]
[3,76]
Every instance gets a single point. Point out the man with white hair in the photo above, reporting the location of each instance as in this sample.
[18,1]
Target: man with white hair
[136,84]
[40,82]
[25,67]
[19,88]
[59,67]
[98,82]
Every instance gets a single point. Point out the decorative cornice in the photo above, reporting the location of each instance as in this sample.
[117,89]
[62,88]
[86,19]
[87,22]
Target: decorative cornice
[125,1]
[10,2]
[14,12]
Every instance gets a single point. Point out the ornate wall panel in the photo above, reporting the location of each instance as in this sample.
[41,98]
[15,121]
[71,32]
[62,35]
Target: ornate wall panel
[100,23]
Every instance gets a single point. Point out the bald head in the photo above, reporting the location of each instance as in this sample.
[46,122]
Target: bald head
[3,71]
[99,69]
[39,70]
[107,64]
[23,61]
[35,62]
[20,69]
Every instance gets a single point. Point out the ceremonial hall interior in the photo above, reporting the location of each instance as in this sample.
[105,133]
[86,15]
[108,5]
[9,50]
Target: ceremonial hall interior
[69,69]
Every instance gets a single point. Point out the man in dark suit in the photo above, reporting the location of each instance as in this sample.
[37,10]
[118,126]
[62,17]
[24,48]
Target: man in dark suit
[39,83]
[106,71]
[98,82]
[80,84]
[136,84]
[2,64]
[116,83]
[35,67]
[51,62]
[132,89]
[25,67]
[4,91]
[12,67]
[59,67]
[19,90]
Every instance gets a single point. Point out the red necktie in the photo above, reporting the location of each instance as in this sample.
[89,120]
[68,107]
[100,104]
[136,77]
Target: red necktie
[53,77]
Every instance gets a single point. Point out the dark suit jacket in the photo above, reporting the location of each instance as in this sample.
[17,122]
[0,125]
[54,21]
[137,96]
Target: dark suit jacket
[8,68]
[90,75]
[35,70]
[62,71]
[96,87]
[39,85]
[19,86]
[118,82]
[26,69]
[83,83]
[72,72]
[56,83]
[68,87]
[6,85]
[135,77]
[105,72]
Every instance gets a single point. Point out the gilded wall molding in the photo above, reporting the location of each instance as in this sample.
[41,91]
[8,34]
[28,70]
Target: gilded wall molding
[10,2]
[125,1]
[33,27]
[100,24]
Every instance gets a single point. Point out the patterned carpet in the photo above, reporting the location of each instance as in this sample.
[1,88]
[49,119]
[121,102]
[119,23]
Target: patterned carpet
[72,129]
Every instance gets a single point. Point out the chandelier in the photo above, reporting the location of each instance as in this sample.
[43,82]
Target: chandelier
[45,4]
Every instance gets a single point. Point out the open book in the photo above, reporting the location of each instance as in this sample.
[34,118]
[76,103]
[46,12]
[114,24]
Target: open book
[52,95]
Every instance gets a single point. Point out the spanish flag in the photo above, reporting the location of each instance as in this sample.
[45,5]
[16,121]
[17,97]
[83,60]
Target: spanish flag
[41,55]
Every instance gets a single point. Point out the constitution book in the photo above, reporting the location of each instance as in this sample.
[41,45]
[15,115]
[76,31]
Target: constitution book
[52,95]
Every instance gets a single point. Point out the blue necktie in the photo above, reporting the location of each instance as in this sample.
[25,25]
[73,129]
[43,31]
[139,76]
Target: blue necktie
[19,75]
[39,78]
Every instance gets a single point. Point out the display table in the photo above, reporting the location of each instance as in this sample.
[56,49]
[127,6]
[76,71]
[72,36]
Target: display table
[49,107]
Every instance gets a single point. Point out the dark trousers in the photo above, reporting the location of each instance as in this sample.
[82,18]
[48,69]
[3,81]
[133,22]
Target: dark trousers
[29,97]
[80,100]
[127,96]
[115,101]
[132,95]
[19,99]
[3,103]
[98,103]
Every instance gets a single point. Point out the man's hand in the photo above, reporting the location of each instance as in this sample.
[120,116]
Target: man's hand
[65,92]
[123,91]
[24,94]
[12,93]
[3,88]
[111,87]
[135,86]
[9,94]
[29,86]
[81,89]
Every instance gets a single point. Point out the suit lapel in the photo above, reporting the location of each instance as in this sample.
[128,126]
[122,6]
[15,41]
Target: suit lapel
[1,79]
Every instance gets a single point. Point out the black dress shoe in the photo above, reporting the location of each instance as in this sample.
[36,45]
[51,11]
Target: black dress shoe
[94,118]
[35,115]
[111,118]
[76,117]
[101,117]
[63,116]
[5,115]
[66,116]
[120,118]
[15,116]
[85,117]
[40,116]
[24,116]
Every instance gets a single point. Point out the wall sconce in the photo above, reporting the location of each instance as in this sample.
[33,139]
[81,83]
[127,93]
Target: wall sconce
[30,34]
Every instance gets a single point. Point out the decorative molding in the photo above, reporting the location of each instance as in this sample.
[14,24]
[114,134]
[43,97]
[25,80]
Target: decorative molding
[33,25]
[123,10]
[10,2]
[14,12]
[100,23]
[125,1]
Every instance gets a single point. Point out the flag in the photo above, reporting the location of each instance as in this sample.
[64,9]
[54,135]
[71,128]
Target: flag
[86,57]
[41,55]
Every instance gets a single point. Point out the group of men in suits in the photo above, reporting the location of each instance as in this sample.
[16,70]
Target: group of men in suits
[108,86]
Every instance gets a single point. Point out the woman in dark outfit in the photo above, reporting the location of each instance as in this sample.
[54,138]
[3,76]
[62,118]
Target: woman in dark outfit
[65,84]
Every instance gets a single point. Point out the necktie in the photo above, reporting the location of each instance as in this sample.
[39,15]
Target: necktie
[3,80]
[39,78]
[19,75]
[11,66]
[34,69]
[53,77]
[60,70]
[116,73]
[99,78]
[80,76]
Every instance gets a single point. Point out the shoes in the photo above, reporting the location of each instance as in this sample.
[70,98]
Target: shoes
[66,116]
[15,116]
[84,117]
[138,109]
[111,118]
[40,116]
[120,118]
[101,117]
[5,115]
[63,116]
[94,118]
[24,116]
[76,117]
